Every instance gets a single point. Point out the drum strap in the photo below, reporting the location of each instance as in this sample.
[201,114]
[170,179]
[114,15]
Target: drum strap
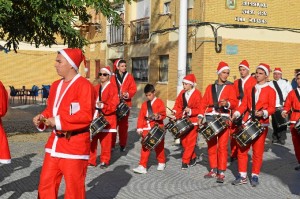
[149,108]
[240,89]
[100,90]
[253,104]
[279,92]
[214,96]
[184,101]
[297,94]
[118,86]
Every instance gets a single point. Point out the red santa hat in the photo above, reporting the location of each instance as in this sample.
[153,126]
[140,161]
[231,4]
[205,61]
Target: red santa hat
[74,56]
[264,67]
[106,69]
[277,70]
[244,64]
[190,79]
[116,63]
[222,66]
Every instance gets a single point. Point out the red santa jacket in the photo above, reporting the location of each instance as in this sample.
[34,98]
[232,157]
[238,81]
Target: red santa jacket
[194,100]
[158,106]
[4,100]
[265,100]
[128,85]
[292,103]
[247,84]
[110,98]
[73,111]
[226,93]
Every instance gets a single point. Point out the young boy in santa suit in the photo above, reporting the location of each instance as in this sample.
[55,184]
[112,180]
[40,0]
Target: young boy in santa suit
[4,147]
[107,101]
[265,101]
[246,82]
[125,83]
[145,122]
[292,104]
[224,101]
[187,104]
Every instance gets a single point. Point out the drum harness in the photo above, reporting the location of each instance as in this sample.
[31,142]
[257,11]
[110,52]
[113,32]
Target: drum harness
[120,79]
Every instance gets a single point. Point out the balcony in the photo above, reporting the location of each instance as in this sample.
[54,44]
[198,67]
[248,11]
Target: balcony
[115,34]
[140,29]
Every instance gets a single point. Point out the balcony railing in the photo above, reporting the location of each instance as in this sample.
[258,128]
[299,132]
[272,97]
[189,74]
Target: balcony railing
[140,29]
[116,34]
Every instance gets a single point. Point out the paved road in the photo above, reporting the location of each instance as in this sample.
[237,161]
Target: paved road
[20,179]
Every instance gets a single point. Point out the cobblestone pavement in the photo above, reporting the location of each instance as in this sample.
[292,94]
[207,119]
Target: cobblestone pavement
[20,179]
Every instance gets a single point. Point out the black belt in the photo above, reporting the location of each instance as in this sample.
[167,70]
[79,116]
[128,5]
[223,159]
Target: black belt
[72,133]
[295,110]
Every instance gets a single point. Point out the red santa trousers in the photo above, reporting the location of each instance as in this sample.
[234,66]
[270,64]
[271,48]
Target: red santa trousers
[4,148]
[296,141]
[159,150]
[105,142]
[73,171]
[258,147]
[188,142]
[123,132]
[217,150]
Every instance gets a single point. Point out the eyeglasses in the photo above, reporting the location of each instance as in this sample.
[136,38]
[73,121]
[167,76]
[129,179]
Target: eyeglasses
[104,74]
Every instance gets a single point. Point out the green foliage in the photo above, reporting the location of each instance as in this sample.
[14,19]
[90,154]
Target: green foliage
[39,21]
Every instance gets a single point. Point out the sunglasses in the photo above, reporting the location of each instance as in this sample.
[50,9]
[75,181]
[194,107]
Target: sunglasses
[103,74]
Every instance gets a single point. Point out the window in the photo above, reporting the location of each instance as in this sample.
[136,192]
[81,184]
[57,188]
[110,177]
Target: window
[163,68]
[115,34]
[188,63]
[167,7]
[140,69]
[142,9]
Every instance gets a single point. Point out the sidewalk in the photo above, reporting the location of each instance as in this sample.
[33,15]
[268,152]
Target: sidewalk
[20,179]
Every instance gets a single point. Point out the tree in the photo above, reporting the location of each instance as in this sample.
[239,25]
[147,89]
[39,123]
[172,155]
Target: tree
[39,21]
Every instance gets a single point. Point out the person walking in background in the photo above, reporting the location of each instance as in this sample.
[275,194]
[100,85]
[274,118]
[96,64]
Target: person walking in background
[153,111]
[292,104]
[107,101]
[127,89]
[69,113]
[187,104]
[219,99]
[260,101]
[4,147]
[246,82]
[282,88]
[294,82]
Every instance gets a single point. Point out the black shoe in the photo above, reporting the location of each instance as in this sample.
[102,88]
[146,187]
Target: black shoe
[232,159]
[184,166]
[122,148]
[239,180]
[254,181]
[297,168]
[103,165]
[193,162]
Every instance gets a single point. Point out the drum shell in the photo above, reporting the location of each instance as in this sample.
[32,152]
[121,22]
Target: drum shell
[122,110]
[251,131]
[154,137]
[97,125]
[213,128]
[180,127]
[279,120]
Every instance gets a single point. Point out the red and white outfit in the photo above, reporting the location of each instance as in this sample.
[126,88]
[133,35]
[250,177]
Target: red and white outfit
[4,147]
[71,104]
[158,107]
[193,98]
[265,98]
[110,99]
[126,86]
[293,104]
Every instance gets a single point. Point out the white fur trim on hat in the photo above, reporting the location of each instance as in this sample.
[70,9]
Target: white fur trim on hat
[223,68]
[188,82]
[277,71]
[264,68]
[106,70]
[244,66]
[65,55]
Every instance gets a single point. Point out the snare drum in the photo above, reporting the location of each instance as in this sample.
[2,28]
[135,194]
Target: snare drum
[154,137]
[297,126]
[97,126]
[122,110]
[180,127]
[251,131]
[279,120]
[213,128]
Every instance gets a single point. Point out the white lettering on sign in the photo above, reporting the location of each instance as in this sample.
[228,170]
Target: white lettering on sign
[262,13]
[260,21]
[248,12]
[255,4]
[240,19]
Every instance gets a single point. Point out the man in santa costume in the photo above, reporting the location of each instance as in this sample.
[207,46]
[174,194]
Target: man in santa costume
[246,82]
[265,98]
[127,89]
[153,112]
[219,99]
[4,148]
[69,113]
[107,101]
[292,104]
[187,104]
[282,88]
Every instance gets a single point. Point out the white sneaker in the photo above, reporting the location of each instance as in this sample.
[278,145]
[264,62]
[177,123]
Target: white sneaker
[161,166]
[140,169]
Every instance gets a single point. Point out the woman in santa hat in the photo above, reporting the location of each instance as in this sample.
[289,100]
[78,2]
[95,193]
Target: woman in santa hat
[187,104]
[218,99]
